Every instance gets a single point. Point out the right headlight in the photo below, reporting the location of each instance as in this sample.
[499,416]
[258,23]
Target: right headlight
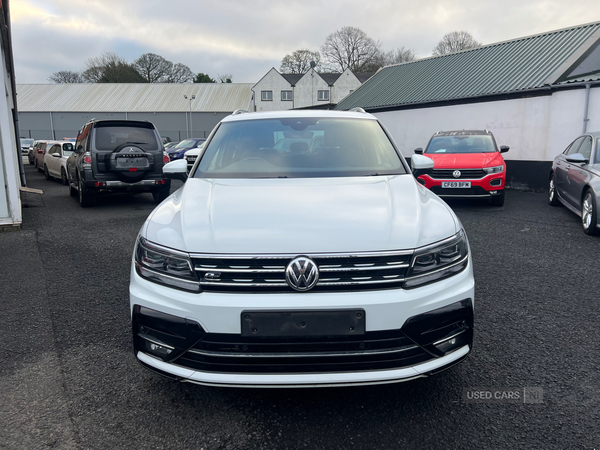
[164,266]
[436,262]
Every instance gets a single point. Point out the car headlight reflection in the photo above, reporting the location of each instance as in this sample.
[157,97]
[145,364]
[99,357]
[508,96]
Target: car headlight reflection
[435,263]
[159,265]
[496,169]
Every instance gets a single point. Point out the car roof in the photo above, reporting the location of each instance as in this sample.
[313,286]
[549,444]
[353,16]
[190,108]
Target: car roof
[595,134]
[298,113]
[463,132]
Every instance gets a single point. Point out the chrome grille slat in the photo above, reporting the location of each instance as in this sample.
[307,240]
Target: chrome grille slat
[266,273]
[303,355]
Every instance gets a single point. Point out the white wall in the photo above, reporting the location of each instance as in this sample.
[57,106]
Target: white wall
[272,81]
[537,128]
[305,92]
[343,85]
[10,204]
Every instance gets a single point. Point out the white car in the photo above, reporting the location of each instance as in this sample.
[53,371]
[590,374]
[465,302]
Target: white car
[313,266]
[192,155]
[55,160]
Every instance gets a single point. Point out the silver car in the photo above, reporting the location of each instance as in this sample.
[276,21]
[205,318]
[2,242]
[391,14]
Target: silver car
[575,180]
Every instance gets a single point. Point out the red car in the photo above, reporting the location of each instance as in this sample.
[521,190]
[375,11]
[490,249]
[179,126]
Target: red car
[467,164]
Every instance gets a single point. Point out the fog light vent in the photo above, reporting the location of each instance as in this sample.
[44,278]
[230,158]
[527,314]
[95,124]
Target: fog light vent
[496,182]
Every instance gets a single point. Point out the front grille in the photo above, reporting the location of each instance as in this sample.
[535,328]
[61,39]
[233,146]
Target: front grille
[474,190]
[226,353]
[336,272]
[448,174]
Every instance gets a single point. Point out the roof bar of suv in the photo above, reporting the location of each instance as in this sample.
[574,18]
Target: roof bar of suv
[239,111]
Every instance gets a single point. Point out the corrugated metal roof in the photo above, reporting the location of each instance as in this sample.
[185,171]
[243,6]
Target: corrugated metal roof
[519,64]
[133,97]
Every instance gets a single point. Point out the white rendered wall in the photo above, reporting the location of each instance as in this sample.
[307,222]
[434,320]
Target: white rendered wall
[272,81]
[10,205]
[346,82]
[536,129]
[305,92]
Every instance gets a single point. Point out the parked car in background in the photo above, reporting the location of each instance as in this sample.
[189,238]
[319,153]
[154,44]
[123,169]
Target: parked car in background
[117,156]
[574,180]
[292,268]
[55,161]
[39,151]
[177,151]
[26,144]
[170,144]
[192,155]
[468,164]
[165,139]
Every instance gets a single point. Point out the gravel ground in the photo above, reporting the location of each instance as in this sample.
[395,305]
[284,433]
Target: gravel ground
[68,378]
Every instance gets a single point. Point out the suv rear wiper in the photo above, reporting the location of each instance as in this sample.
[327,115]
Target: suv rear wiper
[136,142]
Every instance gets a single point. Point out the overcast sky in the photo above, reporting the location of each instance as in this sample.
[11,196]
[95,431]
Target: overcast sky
[248,37]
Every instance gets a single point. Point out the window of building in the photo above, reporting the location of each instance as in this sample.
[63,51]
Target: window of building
[266,96]
[286,96]
[323,95]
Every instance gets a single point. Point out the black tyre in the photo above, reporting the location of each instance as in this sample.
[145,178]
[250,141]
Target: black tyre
[160,194]
[46,173]
[552,196]
[589,214]
[85,199]
[63,176]
[498,200]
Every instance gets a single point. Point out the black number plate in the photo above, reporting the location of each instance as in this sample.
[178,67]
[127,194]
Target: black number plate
[303,323]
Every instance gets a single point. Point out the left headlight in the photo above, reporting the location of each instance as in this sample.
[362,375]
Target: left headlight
[496,169]
[163,266]
[434,263]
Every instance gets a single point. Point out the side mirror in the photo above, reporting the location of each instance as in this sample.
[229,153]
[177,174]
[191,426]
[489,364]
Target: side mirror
[577,158]
[418,151]
[504,148]
[176,170]
[421,165]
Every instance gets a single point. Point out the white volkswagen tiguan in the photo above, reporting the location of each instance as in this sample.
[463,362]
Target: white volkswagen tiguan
[301,251]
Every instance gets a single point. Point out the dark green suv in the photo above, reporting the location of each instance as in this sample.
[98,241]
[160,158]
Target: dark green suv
[117,156]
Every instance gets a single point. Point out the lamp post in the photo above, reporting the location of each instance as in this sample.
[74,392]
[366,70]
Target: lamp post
[190,99]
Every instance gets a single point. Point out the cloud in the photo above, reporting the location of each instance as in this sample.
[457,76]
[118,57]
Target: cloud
[247,38]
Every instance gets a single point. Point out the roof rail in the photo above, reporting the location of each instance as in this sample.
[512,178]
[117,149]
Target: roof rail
[358,109]
[239,111]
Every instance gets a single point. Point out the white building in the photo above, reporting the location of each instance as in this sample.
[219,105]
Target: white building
[277,91]
[10,151]
[536,94]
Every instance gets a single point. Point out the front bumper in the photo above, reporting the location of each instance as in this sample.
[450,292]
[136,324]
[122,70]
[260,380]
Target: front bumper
[408,334]
[486,187]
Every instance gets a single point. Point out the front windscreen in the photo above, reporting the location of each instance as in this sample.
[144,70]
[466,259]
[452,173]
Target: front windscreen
[109,137]
[461,144]
[186,144]
[299,147]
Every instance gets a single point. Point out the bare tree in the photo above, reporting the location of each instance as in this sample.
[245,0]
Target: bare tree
[152,67]
[225,78]
[349,47]
[95,67]
[66,76]
[179,73]
[455,41]
[399,56]
[300,61]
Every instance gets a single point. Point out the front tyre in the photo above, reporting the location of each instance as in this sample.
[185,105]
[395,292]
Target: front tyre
[589,214]
[85,200]
[498,200]
[63,176]
[552,197]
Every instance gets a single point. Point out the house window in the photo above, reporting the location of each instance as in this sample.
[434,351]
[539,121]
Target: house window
[266,96]
[286,96]
[323,95]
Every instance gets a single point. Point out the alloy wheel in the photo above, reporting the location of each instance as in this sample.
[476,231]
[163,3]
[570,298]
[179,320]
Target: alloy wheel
[587,211]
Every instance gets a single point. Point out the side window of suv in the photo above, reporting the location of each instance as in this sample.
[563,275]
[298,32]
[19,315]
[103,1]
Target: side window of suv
[82,138]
